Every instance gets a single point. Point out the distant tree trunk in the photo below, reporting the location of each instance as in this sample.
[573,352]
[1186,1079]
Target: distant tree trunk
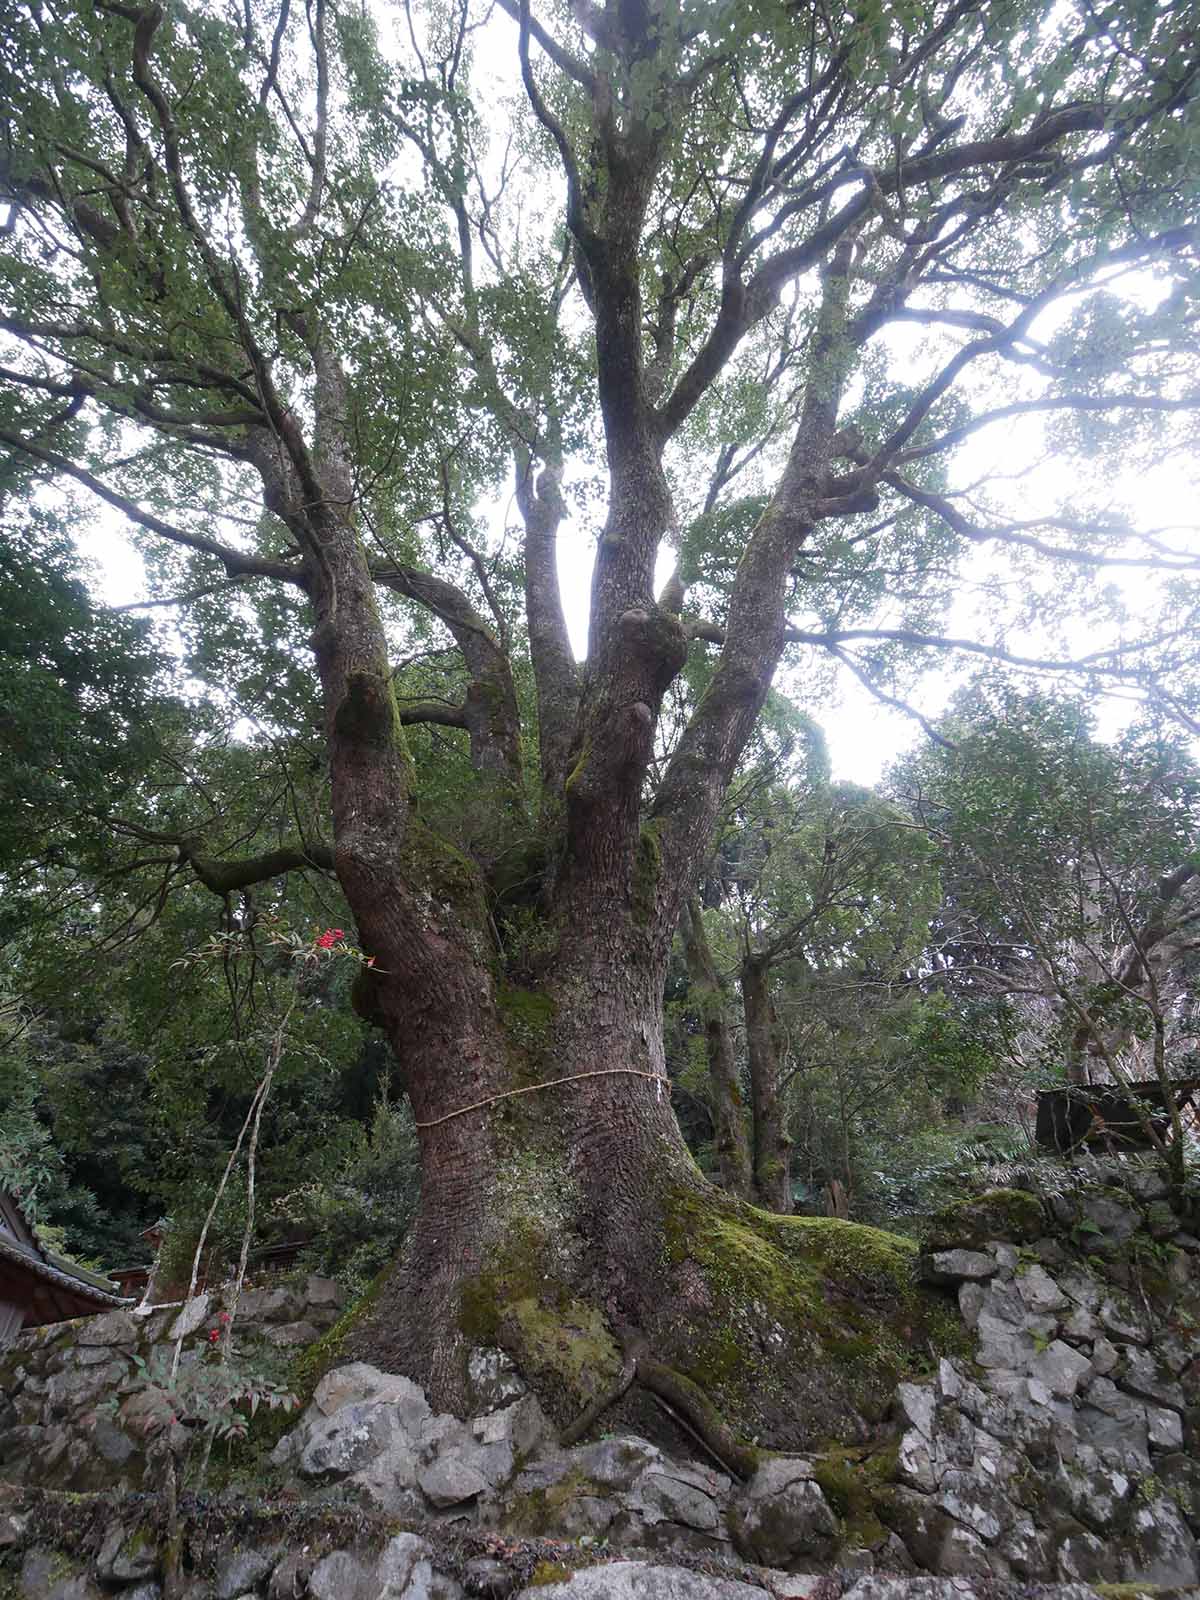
[711,998]
[772,1147]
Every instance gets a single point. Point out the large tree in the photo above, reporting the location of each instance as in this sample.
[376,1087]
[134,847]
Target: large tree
[284,299]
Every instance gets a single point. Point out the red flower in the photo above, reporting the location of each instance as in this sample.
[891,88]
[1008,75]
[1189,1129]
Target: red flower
[329,938]
[213,1335]
[224,1317]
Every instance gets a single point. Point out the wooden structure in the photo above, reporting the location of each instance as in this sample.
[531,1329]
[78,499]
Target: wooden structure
[148,1283]
[1108,1116]
[37,1286]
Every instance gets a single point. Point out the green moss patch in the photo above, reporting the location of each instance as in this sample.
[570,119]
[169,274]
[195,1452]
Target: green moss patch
[852,1481]
[527,1016]
[562,1344]
[810,1321]
[1009,1214]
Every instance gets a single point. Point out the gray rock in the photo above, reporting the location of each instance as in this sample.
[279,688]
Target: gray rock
[110,1444]
[1123,1323]
[1082,1288]
[971,1299]
[1114,1219]
[1039,1291]
[78,1587]
[1061,1369]
[37,1573]
[1081,1557]
[919,1403]
[1164,1551]
[1142,1377]
[1094,1491]
[397,1562]
[781,1515]
[72,1390]
[932,1538]
[491,1579]
[1165,1428]
[952,1266]
[523,1426]
[341,1576]
[322,1292]
[114,1327]
[976,1502]
[143,1414]
[1079,1325]
[954,1385]
[916,1464]
[191,1317]
[449,1480]
[270,1305]
[12,1529]
[494,1380]
[618,1462]
[1025,1548]
[1145,1183]
[1002,1345]
[1175,1350]
[290,1577]
[689,1497]
[291,1335]
[1105,1356]
[404,1571]
[358,1381]
[243,1570]
[126,1554]
[88,1355]
[639,1580]
[1121,1441]
[389,1480]
[1004,1303]
[336,1446]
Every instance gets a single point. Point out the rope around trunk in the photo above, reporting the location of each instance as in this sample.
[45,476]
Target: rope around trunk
[550,1083]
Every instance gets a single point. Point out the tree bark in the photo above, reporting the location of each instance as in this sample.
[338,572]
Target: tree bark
[772,1147]
[711,999]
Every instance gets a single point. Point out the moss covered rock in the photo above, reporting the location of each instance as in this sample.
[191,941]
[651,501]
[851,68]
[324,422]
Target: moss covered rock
[1009,1214]
[803,1325]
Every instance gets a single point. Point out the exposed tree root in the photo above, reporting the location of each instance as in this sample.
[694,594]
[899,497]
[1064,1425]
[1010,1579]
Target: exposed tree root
[682,1399]
[577,1429]
[694,1406]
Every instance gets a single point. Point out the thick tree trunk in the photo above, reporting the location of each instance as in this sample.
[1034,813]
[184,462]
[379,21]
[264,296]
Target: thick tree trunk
[711,999]
[772,1147]
[546,1173]
[565,1222]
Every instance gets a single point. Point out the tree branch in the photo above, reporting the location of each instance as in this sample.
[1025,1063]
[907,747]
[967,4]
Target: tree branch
[236,563]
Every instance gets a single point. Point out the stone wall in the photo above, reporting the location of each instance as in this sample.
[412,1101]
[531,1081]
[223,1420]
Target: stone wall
[1064,1452]
[72,1407]
[1069,1447]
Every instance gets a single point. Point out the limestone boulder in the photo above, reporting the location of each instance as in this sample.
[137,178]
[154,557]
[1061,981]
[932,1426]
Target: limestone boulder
[780,1516]
[113,1328]
[127,1554]
[405,1571]
[639,1580]
[242,1571]
[493,1379]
